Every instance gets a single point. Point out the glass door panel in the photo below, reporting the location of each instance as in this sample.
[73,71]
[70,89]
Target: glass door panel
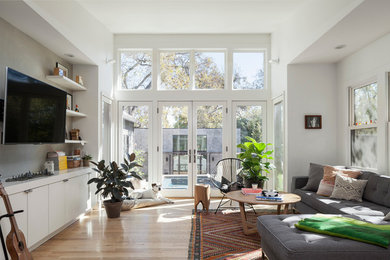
[176,144]
[278,144]
[135,135]
[209,138]
[249,118]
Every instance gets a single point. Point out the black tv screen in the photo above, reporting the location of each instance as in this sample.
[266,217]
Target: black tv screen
[35,112]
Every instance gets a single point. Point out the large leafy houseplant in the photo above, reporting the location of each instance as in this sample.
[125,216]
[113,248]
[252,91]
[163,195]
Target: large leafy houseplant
[112,181]
[255,162]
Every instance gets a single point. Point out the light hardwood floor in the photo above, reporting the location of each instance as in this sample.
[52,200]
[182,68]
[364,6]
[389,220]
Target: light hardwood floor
[160,232]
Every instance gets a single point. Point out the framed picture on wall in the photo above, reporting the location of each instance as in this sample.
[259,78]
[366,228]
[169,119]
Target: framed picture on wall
[313,122]
[63,68]
[69,101]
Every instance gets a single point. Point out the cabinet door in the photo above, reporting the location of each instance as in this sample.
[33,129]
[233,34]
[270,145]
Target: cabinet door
[18,202]
[38,214]
[71,199]
[92,199]
[83,191]
[56,206]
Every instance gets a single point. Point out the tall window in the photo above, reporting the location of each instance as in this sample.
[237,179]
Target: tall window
[364,103]
[248,70]
[136,70]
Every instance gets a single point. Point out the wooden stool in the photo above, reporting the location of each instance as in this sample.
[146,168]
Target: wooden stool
[202,195]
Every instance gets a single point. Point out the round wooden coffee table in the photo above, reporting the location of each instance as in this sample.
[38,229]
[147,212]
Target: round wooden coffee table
[250,228]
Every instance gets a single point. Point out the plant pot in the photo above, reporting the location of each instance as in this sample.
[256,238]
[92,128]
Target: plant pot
[86,163]
[248,183]
[113,209]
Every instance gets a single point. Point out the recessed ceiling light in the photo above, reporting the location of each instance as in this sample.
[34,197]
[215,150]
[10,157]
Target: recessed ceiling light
[70,55]
[341,46]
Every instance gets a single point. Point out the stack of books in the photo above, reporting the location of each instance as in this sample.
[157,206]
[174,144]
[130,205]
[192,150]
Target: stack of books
[261,197]
[249,191]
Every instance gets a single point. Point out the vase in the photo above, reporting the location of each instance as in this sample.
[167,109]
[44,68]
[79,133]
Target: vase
[113,209]
[86,163]
[248,183]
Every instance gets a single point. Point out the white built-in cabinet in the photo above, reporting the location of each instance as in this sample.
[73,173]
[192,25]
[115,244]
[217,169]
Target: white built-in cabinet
[37,214]
[50,207]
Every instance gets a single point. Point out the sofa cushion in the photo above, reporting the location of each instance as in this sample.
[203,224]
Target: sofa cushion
[347,188]
[378,189]
[316,172]
[281,240]
[331,172]
[335,206]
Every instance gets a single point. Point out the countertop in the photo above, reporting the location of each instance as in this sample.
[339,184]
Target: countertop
[19,186]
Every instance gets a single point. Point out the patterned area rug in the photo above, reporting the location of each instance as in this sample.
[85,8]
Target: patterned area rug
[220,236]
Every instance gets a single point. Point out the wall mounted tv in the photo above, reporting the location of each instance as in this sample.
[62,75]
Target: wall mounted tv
[35,112]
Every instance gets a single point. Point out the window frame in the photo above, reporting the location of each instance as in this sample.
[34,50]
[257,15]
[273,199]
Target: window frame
[351,119]
[119,71]
[264,51]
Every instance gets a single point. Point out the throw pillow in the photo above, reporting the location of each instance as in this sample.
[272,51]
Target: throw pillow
[325,188]
[331,172]
[347,188]
[387,217]
[316,172]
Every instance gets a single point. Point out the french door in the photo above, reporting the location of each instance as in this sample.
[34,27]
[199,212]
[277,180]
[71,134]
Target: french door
[193,138]
[180,143]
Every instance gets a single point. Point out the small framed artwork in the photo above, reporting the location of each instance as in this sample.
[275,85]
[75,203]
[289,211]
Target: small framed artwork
[69,101]
[63,68]
[313,122]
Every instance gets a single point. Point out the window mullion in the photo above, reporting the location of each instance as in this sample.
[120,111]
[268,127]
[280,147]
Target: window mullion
[192,70]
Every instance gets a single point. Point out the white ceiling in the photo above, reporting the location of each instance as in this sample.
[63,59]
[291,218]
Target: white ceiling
[191,16]
[365,24]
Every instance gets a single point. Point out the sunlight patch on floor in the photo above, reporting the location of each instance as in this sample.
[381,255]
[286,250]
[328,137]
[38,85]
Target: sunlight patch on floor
[162,218]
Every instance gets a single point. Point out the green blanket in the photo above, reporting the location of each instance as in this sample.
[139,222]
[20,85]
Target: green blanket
[347,228]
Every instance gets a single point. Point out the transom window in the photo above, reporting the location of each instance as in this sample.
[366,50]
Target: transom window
[136,70]
[248,70]
[364,103]
[192,70]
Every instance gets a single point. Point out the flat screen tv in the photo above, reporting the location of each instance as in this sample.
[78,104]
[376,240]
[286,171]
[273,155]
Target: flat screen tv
[35,112]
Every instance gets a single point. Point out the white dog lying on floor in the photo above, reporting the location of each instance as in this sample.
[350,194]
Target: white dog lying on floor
[149,197]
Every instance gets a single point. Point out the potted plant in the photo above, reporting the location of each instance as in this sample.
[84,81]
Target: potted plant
[255,162]
[86,158]
[113,182]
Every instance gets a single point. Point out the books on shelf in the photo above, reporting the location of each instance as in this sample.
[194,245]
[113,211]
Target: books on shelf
[250,191]
[261,197]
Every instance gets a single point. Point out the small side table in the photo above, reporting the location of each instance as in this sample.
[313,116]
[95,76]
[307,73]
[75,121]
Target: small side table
[202,195]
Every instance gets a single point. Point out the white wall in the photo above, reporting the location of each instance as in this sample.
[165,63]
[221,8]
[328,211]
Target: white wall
[311,91]
[302,29]
[23,54]
[371,62]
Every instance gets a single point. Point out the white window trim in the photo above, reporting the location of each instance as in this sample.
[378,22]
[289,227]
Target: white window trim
[351,118]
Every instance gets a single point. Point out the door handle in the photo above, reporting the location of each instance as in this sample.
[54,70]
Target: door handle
[189,156]
[65,180]
[28,191]
[194,156]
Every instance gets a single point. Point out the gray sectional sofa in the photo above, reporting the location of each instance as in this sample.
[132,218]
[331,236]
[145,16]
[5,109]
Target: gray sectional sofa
[375,205]
[281,240]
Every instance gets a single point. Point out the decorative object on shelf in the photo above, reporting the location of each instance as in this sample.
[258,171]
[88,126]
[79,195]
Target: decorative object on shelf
[74,161]
[86,158]
[29,175]
[79,80]
[61,70]
[255,162]
[69,101]
[313,121]
[48,166]
[77,108]
[77,151]
[113,181]
[59,159]
[74,134]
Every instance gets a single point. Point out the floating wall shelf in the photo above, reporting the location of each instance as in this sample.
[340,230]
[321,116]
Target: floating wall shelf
[71,113]
[66,83]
